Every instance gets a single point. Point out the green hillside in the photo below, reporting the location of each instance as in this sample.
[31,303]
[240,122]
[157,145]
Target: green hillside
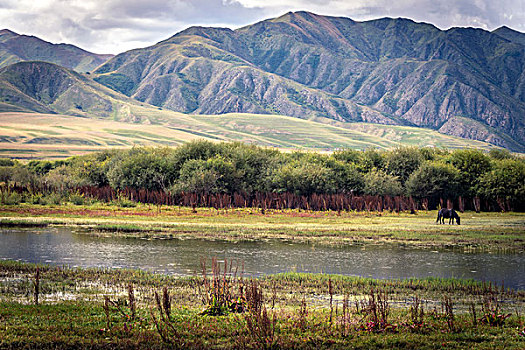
[38,136]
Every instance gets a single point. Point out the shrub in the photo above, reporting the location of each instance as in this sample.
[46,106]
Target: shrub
[379,183]
[10,198]
[77,198]
[434,180]
[54,198]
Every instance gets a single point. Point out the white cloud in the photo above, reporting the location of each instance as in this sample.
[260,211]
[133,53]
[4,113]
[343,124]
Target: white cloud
[112,26]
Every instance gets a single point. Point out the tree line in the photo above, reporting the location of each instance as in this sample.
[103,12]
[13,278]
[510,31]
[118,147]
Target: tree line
[474,179]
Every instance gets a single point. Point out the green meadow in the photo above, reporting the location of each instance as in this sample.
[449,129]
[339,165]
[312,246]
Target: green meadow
[478,231]
[46,136]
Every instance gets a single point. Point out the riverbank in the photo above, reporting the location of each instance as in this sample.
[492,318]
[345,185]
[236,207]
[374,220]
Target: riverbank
[94,308]
[478,231]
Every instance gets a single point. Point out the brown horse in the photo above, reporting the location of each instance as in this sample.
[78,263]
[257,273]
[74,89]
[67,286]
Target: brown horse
[449,214]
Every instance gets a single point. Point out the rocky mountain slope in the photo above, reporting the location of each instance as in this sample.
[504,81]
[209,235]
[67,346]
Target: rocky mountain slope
[15,48]
[43,87]
[49,111]
[463,81]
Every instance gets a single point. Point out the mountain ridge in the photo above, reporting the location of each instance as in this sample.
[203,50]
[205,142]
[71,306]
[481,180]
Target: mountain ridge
[463,82]
[392,71]
[15,48]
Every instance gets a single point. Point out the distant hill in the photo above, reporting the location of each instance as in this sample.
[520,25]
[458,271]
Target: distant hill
[463,81]
[48,111]
[48,88]
[15,48]
[45,136]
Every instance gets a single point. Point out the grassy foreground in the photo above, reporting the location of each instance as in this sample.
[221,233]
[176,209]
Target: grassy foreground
[92,308]
[483,231]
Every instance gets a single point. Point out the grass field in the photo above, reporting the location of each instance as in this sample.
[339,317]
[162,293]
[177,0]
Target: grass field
[38,136]
[486,231]
[66,308]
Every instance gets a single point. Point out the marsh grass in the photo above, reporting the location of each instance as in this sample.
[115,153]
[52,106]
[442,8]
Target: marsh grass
[134,309]
[478,232]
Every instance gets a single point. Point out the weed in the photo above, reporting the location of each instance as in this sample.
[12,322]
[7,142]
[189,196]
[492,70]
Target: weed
[164,325]
[37,285]
[448,311]
[377,312]
[417,314]
[217,291]
[166,302]
[131,301]
[491,312]
[303,314]
[261,327]
[472,310]
[331,293]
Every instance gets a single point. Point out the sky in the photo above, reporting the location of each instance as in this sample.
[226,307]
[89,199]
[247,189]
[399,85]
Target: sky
[114,26]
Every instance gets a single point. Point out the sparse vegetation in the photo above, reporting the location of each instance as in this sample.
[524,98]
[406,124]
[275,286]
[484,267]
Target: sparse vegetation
[133,309]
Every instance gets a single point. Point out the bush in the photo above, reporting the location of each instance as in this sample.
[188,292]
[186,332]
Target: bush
[434,180]
[10,198]
[36,198]
[124,202]
[54,198]
[77,199]
[379,183]
[7,162]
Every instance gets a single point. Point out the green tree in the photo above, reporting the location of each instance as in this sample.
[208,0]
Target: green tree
[62,179]
[93,168]
[402,162]
[500,154]
[348,156]
[344,177]
[215,175]
[255,163]
[472,164]
[377,182]
[434,180]
[141,168]
[506,181]
[42,167]
[16,175]
[303,178]
[198,149]
[196,177]
[371,159]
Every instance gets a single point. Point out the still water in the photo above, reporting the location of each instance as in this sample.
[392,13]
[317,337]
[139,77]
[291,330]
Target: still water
[61,246]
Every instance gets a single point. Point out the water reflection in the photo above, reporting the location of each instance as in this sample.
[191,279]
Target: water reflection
[61,246]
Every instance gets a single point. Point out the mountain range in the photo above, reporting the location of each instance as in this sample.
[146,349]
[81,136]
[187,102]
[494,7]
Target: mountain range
[462,82]
[15,48]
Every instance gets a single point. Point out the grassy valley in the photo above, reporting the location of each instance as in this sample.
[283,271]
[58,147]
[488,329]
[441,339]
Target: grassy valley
[51,136]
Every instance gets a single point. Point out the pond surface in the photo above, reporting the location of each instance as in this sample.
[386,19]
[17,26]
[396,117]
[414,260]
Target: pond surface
[61,246]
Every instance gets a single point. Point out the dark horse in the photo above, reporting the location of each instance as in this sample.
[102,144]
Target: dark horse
[449,214]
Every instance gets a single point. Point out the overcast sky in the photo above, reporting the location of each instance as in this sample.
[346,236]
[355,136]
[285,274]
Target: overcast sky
[113,26]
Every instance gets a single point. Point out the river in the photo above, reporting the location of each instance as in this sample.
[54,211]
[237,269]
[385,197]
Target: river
[62,246]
